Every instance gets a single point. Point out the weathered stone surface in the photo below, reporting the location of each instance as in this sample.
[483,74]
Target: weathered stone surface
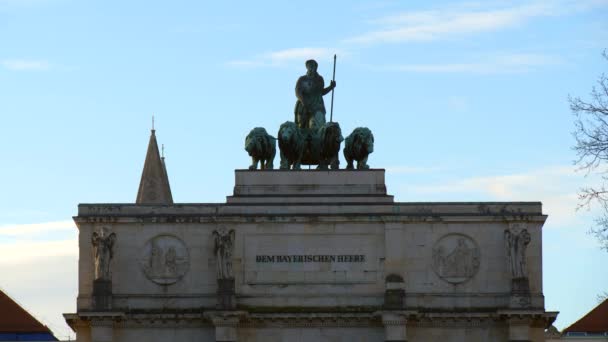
[333,270]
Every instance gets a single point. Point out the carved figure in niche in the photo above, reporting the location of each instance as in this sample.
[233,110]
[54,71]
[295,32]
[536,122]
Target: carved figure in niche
[310,88]
[357,147]
[103,248]
[455,258]
[223,247]
[261,146]
[516,244]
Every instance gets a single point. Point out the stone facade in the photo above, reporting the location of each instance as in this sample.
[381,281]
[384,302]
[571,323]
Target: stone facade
[316,256]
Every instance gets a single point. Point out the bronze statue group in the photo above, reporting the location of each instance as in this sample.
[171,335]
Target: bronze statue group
[310,139]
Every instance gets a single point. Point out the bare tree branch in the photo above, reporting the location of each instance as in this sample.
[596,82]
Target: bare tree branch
[591,147]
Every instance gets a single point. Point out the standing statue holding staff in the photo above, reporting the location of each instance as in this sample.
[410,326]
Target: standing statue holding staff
[103,245]
[310,88]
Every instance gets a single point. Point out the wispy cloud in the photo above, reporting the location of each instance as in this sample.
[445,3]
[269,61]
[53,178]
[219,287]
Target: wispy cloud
[23,242]
[24,65]
[25,251]
[41,253]
[28,229]
[286,56]
[46,287]
[556,187]
[510,63]
[448,22]
[410,169]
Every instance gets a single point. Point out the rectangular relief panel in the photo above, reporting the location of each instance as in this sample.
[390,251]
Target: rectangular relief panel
[311,258]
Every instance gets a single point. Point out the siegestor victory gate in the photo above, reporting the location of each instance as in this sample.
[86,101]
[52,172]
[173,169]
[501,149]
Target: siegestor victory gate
[307,255]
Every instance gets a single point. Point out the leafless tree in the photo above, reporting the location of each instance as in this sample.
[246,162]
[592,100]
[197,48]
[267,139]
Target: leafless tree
[591,134]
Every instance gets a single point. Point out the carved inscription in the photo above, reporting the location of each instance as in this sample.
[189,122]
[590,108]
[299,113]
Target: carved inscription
[311,258]
[165,259]
[455,258]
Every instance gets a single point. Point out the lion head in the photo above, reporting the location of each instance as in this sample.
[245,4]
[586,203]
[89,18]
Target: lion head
[288,131]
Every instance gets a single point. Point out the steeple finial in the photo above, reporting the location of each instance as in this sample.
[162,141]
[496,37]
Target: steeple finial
[154,185]
[152,122]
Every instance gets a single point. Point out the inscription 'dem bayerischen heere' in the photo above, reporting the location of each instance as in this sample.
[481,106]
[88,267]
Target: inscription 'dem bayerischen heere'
[309,258]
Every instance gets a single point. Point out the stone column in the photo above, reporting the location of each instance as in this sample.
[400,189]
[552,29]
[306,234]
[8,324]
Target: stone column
[226,324]
[102,331]
[395,329]
[226,297]
[519,330]
[102,295]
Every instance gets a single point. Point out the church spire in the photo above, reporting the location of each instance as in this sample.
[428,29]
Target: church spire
[154,185]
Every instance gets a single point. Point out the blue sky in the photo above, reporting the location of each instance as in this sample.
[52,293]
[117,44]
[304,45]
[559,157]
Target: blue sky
[467,102]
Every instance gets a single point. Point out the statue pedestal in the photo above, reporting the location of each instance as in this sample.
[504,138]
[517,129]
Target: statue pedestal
[394,293]
[102,295]
[310,186]
[520,293]
[226,299]
[520,286]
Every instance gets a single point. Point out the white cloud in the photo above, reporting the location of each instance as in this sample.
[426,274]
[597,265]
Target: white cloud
[410,169]
[38,259]
[24,65]
[283,57]
[24,251]
[555,187]
[509,63]
[30,229]
[451,21]
[46,287]
[25,242]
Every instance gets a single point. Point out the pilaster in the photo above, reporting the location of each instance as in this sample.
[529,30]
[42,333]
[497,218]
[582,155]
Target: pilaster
[519,330]
[395,325]
[226,324]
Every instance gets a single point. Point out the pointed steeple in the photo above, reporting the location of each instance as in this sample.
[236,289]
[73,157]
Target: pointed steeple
[154,185]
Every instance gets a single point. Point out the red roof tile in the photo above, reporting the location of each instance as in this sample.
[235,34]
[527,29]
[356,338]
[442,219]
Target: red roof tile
[596,321]
[14,319]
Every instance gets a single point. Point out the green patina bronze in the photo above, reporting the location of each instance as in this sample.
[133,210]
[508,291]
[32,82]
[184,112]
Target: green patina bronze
[357,147]
[261,146]
[310,139]
[309,111]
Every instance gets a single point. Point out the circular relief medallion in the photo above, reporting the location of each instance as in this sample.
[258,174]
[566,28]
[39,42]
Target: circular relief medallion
[455,258]
[165,259]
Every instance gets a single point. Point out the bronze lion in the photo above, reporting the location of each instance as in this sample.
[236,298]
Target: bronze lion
[261,146]
[291,144]
[357,146]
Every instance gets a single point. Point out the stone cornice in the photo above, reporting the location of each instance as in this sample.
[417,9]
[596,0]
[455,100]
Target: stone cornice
[211,318]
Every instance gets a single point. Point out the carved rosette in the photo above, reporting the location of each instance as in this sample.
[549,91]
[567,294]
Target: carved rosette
[456,258]
[164,259]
